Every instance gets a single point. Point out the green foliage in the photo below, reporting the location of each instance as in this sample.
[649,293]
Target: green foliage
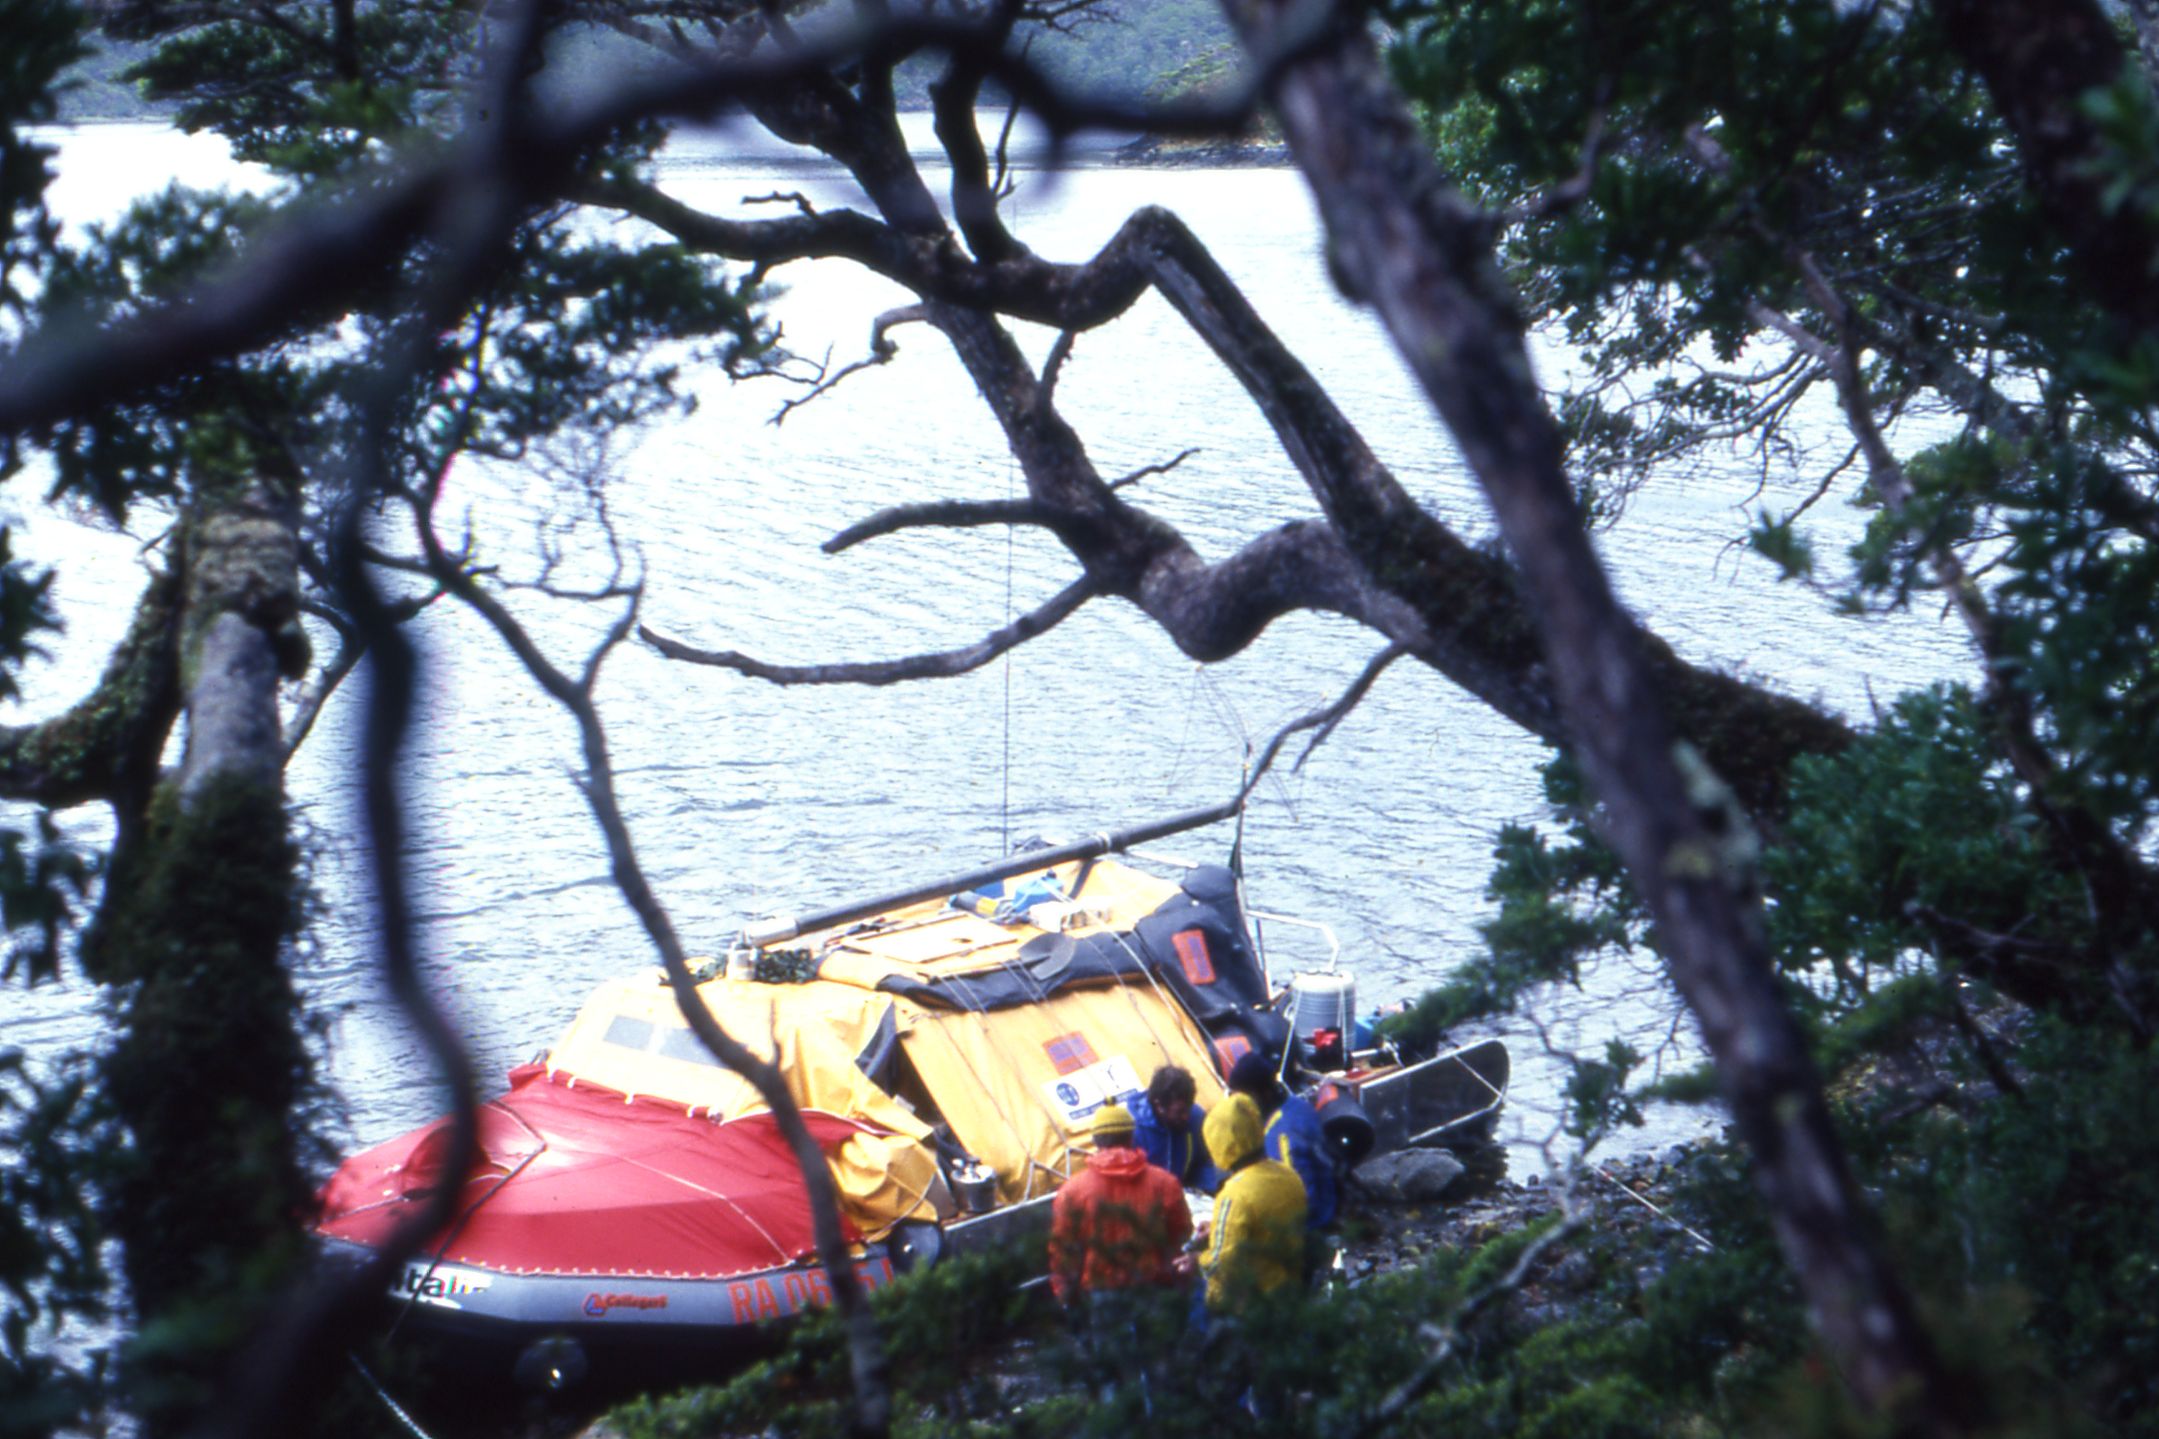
[2079,607]
[43,38]
[2052,1197]
[297,96]
[2021,1214]
[1596,1093]
[570,347]
[2128,123]
[1560,905]
[138,452]
[1917,822]
[1651,1337]
[26,611]
[1783,546]
[1538,935]
[936,1325]
[575,335]
[51,1261]
[41,884]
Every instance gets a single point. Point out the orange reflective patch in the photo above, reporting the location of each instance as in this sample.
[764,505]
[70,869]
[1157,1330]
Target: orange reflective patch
[1069,1052]
[1191,947]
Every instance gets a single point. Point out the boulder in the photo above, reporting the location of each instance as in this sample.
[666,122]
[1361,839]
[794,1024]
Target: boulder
[1409,1175]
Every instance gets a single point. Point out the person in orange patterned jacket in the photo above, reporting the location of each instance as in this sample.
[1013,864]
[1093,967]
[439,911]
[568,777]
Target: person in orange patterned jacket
[1119,1226]
[1117,1234]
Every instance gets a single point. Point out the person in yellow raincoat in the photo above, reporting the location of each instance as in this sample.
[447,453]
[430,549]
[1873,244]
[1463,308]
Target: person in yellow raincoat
[1256,1245]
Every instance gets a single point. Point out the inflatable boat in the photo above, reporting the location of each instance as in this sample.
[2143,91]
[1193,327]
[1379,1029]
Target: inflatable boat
[948,1045]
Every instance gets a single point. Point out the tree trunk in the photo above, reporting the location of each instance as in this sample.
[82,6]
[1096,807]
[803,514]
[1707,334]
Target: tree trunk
[1406,243]
[2043,62]
[210,1064]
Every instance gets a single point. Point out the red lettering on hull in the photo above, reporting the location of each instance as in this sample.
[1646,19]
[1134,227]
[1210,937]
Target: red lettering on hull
[791,1291]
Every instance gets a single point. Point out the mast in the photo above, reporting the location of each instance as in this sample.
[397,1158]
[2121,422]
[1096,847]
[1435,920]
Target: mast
[771,931]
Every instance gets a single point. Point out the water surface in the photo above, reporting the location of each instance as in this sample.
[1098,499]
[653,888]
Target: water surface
[746,799]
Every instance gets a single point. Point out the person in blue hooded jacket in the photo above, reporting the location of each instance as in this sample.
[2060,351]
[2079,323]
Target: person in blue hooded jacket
[1294,1135]
[1168,1126]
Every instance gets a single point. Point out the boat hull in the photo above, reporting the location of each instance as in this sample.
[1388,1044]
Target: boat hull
[555,1331]
[595,1226]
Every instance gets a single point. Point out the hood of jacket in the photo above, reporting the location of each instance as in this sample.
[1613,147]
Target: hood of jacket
[1121,1162]
[1232,1130]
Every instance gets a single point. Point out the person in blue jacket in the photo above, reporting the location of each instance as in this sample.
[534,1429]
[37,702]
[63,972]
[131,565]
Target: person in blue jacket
[1293,1135]
[1167,1122]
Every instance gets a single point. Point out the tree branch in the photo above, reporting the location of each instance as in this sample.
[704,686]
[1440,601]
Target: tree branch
[974,197]
[107,746]
[1464,614]
[941,514]
[310,264]
[1133,477]
[884,672]
[882,349]
[1323,720]
[1406,243]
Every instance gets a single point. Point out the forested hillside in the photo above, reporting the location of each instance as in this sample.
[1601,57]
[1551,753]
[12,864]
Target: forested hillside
[1126,50]
[95,89]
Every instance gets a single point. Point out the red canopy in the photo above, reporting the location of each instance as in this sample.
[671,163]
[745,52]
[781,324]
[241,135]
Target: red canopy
[578,1180]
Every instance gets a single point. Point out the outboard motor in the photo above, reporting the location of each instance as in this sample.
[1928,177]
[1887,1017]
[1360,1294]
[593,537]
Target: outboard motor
[1349,1130]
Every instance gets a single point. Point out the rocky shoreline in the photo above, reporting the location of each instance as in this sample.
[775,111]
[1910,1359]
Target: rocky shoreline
[1154,152]
[1391,1225]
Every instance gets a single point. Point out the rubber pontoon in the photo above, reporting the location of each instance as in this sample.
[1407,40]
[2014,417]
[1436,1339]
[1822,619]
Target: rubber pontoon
[948,1046]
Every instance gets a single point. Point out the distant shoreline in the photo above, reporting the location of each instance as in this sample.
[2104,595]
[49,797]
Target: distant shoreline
[1153,152]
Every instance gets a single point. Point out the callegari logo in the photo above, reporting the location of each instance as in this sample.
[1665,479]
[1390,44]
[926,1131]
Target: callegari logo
[440,1284]
[597,1305]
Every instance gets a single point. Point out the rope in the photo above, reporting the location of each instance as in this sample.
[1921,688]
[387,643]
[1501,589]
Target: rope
[1665,1214]
[397,1411]
[1005,820]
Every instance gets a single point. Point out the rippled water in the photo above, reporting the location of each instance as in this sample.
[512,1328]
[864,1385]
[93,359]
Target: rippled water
[747,799]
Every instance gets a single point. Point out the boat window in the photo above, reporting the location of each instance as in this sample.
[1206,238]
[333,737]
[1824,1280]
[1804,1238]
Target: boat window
[629,1031]
[684,1045]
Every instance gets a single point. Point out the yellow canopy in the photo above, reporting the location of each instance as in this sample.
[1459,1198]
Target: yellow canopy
[1018,1086]
[1015,1085]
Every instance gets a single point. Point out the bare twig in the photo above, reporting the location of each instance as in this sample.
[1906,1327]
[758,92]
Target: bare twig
[939,514]
[866,1350]
[1350,699]
[882,349]
[1133,477]
[1322,720]
[784,197]
[884,672]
